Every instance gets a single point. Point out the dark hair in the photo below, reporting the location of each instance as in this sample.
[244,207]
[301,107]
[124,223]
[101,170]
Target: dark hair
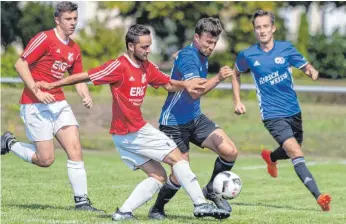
[263,13]
[134,32]
[209,25]
[62,7]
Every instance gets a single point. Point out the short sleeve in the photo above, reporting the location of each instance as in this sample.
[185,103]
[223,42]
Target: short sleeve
[157,78]
[296,59]
[36,48]
[241,62]
[110,72]
[187,65]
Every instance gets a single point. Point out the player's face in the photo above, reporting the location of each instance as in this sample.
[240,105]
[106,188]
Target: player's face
[67,21]
[264,29]
[141,49]
[205,43]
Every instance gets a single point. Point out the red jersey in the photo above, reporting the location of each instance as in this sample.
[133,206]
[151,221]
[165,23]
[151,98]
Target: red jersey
[49,57]
[128,82]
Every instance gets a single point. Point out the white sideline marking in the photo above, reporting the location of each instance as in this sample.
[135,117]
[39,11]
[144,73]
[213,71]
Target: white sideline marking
[343,162]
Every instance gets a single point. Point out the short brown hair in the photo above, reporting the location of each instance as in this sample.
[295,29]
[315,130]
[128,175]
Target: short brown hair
[62,7]
[260,13]
[134,32]
[209,25]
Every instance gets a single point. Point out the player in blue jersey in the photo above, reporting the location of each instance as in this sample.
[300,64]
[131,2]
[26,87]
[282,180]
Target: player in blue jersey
[182,120]
[269,62]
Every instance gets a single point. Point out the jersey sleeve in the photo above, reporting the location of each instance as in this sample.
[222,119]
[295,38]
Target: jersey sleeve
[241,62]
[110,72]
[295,59]
[157,78]
[36,48]
[77,66]
[188,66]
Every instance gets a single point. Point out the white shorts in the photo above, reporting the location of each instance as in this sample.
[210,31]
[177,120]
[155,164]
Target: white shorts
[43,121]
[139,147]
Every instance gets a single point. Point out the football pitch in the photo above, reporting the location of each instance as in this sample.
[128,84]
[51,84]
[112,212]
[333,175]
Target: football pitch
[35,195]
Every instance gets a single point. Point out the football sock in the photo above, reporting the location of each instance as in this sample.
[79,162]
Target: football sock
[166,193]
[278,154]
[188,181]
[305,176]
[143,192]
[219,166]
[24,151]
[77,176]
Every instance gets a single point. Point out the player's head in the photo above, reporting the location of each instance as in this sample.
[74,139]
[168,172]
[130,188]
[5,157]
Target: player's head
[65,16]
[264,26]
[138,41]
[207,32]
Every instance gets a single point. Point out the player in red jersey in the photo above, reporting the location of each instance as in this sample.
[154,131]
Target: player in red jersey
[46,114]
[141,146]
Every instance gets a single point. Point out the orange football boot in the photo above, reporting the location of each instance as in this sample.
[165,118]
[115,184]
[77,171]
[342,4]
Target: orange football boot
[271,166]
[324,201]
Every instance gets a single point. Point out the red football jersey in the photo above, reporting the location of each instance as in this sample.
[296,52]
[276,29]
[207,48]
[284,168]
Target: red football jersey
[128,82]
[49,57]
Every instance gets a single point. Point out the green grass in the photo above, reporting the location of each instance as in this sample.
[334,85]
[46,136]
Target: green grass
[43,195]
[324,124]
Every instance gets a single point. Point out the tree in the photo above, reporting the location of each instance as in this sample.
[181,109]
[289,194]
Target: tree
[10,16]
[36,17]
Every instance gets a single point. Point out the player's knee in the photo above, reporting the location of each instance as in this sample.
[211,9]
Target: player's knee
[229,154]
[45,162]
[160,176]
[75,152]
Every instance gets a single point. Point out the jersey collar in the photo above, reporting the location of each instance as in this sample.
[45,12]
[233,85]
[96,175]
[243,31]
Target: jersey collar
[61,40]
[132,62]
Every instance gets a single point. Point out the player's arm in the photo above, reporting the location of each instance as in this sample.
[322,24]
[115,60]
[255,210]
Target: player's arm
[67,81]
[310,71]
[81,88]
[192,86]
[224,73]
[35,49]
[239,106]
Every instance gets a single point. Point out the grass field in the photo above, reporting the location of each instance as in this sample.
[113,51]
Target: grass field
[35,195]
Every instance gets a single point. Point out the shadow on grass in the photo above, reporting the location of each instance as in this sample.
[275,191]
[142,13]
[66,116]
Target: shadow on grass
[40,206]
[274,206]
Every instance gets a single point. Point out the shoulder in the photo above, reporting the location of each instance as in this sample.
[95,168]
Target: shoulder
[283,44]
[249,51]
[187,54]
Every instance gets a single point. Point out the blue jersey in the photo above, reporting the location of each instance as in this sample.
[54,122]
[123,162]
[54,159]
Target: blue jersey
[179,107]
[273,77]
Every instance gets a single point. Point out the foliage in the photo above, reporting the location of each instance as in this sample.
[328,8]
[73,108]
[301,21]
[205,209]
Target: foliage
[328,55]
[36,17]
[10,16]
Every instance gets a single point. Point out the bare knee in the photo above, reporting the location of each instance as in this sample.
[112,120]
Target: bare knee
[229,154]
[174,157]
[45,162]
[75,152]
[160,176]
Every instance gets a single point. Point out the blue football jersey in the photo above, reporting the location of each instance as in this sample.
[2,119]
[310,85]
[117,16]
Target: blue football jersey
[272,74]
[179,107]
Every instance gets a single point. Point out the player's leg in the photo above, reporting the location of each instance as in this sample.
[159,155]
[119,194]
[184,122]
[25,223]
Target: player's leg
[293,148]
[180,135]
[188,180]
[281,130]
[39,129]
[208,134]
[144,191]
[66,132]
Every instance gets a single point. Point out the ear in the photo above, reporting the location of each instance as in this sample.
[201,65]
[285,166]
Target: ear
[196,37]
[56,19]
[274,29]
[131,47]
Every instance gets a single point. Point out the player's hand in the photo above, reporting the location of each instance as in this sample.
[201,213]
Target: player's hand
[44,97]
[225,72]
[311,71]
[43,85]
[87,102]
[239,108]
[195,85]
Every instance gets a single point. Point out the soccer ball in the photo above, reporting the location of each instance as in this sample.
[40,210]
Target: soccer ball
[227,185]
